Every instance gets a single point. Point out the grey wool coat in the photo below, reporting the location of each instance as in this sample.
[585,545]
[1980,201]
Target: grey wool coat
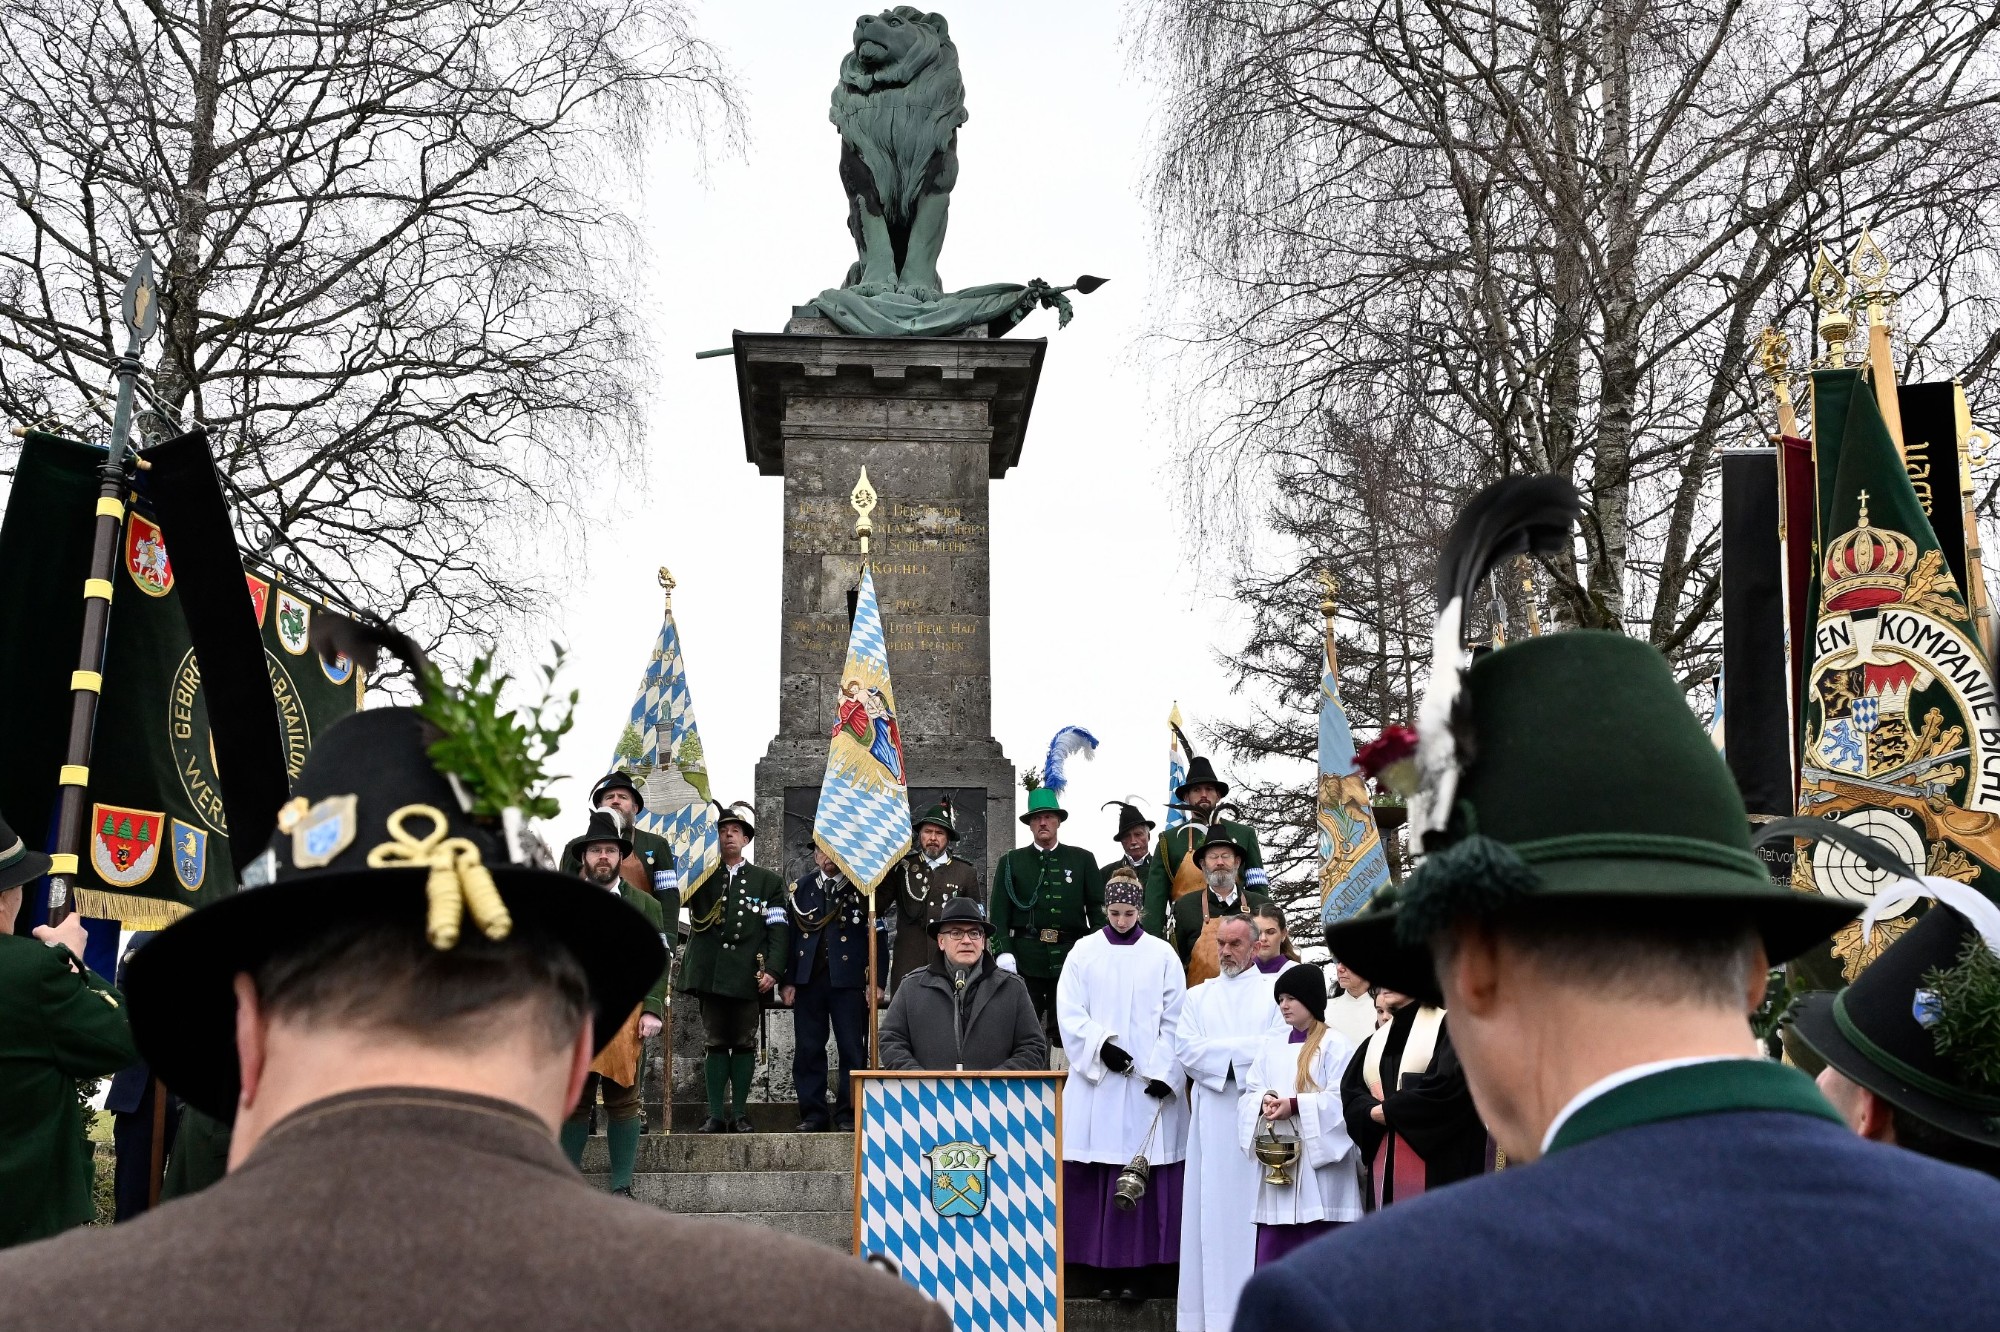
[405,1208]
[991,1025]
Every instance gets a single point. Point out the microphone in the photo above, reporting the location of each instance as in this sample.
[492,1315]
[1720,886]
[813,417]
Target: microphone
[958,975]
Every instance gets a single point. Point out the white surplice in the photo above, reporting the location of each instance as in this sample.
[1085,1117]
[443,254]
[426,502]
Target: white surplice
[1352,1015]
[1130,995]
[1326,1180]
[1223,1027]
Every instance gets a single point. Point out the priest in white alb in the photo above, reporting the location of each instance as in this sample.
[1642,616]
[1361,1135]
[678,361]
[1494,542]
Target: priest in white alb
[1223,1027]
[1117,1003]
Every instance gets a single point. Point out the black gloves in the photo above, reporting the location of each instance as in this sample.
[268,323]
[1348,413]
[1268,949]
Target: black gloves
[1157,1089]
[1115,1059]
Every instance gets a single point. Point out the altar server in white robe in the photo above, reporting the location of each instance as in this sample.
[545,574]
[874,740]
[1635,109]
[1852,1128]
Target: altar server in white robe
[1294,1092]
[1224,1025]
[1117,1002]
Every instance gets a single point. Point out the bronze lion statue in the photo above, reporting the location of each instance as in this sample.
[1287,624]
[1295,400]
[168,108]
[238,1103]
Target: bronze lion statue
[898,107]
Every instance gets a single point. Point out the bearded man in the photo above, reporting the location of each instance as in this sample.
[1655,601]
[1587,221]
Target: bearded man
[1222,896]
[912,898]
[602,851]
[1223,1027]
[1176,869]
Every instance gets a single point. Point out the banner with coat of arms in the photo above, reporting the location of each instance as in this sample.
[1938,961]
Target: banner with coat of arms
[155,832]
[1899,738]
[959,1181]
[863,820]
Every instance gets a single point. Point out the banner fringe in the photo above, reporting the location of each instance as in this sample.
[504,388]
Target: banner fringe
[134,913]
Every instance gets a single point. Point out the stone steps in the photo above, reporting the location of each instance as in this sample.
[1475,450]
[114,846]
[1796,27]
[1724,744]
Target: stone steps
[798,1183]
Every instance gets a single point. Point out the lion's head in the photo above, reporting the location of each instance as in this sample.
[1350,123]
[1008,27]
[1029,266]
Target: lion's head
[892,49]
[899,103]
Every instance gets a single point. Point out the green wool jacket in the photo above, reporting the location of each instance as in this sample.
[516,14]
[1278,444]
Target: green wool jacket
[58,1027]
[1187,916]
[734,919]
[649,907]
[1173,848]
[1035,891]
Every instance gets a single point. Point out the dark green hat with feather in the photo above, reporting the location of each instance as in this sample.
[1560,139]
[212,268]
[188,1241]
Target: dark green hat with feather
[1566,766]
[1920,1027]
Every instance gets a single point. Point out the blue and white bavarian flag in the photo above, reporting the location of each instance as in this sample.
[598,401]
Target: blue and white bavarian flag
[959,1176]
[663,703]
[863,822]
[1352,864]
[1177,765]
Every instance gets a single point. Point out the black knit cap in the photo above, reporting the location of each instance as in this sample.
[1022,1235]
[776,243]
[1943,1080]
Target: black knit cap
[1305,983]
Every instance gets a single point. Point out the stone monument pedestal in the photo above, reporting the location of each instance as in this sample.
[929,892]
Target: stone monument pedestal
[935,421]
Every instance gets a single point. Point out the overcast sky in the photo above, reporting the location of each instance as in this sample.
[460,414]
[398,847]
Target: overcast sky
[1100,618]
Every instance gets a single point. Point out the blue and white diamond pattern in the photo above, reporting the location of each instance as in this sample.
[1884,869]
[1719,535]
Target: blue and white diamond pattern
[997,1271]
[663,698]
[864,826]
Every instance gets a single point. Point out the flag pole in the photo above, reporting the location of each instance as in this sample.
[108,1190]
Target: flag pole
[1836,317]
[1774,354]
[1870,269]
[863,502]
[141,312]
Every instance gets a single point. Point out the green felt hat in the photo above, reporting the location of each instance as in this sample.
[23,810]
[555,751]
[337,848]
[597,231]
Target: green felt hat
[1042,800]
[941,816]
[1590,779]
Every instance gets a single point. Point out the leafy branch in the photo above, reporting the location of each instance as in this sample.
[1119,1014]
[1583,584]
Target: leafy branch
[500,755]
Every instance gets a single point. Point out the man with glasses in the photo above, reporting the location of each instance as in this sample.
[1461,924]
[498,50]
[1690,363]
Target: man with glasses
[962,1011]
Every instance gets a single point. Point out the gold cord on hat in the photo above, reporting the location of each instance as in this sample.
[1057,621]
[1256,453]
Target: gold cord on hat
[459,880]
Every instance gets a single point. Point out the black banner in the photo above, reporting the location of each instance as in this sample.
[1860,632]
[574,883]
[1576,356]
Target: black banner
[1930,456]
[1756,714]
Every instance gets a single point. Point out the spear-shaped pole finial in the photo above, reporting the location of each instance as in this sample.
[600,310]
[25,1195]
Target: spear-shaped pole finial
[863,501]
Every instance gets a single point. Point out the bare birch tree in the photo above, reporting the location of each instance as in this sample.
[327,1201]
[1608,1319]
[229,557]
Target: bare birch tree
[391,283]
[1541,236]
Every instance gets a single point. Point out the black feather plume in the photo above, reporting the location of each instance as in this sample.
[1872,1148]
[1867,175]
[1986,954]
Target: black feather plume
[1513,515]
[1181,736]
[334,635]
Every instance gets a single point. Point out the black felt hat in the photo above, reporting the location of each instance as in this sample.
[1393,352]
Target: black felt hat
[1217,837]
[1882,1031]
[1305,983]
[18,862]
[734,814]
[1201,773]
[372,826]
[1129,817]
[616,781]
[962,911]
[603,828]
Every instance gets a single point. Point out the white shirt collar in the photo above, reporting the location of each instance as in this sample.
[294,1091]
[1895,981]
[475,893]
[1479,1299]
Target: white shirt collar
[1617,1080]
[939,862]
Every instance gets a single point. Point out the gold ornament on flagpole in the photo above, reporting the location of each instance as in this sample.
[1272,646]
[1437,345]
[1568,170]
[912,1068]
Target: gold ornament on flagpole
[1526,564]
[1774,355]
[667,586]
[863,501]
[1329,587]
[1869,267]
[1836,317]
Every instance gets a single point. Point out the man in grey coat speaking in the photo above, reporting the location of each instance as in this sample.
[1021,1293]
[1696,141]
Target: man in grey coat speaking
[962,1012]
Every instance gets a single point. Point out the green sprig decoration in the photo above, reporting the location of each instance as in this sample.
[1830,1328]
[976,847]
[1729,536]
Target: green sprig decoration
[1031,780]
[1967,1030]
[499,755]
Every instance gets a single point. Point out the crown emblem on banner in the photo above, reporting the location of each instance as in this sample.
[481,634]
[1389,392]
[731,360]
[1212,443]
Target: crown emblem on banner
[1867,566]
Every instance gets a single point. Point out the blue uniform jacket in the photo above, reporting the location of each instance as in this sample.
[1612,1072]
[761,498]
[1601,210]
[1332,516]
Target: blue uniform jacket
[128,1085]
[844,936]
[1772,1220]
